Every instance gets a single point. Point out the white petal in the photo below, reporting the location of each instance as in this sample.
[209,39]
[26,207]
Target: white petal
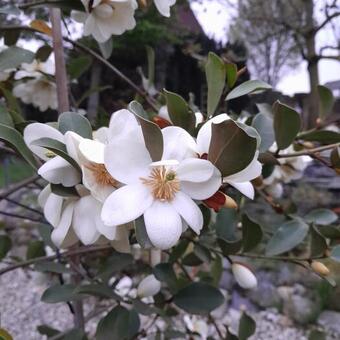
[92,150]
[149,286]
[38,130]
[108,232]
[163,225]
[204,134]
[178,144]
[122,123]
[79,16]
[121,241]
[52,209]
[127,160]
[103,11]
[63,235]
[195,170]
[244,276]
[203,190]
[126,204]
[189,211]
[246,188]
[43,196]
[101,135]
[164,113]
[163,6]
[72,141]
[252,171]
[59,171]
[84,219]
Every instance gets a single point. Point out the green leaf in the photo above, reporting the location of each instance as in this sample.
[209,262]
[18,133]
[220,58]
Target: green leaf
[191,260]
[326,101]
[230,247]
[318,243]
[329,231]
[215,72]
[59,293]
[118,324]
[76,67]
[75,334]
[106,48]
[97,289]
[5,117]
[51,267]
[72,121]
[56,147]
[179,111]
[202,253]
[11,37]
[47,330]
[164,272]
[178,250]
[60,190]
[321,216]
[264,126]
[143,308]
[35,249]
[231,70]
[287,237]
[198,298]
[14,56]
[247,327]
[43,53]
[115,263]
[230,335]
[225,225]
[335,157]
[335,253]
[231,148]
[141,234]
[216,270]
[251,233]
[323,137]
[14,138]
[5,245]
[152,133]
[12,103]
[248,87]
[287,124]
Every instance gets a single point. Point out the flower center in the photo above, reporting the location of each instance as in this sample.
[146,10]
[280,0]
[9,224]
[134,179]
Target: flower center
[163,183]
[101,175]
[50,154]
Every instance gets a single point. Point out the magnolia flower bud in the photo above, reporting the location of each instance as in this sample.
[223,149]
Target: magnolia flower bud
[320,268]
[149,286]
[230,203]
[244,276]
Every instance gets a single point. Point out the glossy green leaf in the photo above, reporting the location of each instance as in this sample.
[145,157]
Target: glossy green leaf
[247,327]
[215,72]
[152,133]
[78,66]
[248,87]
[287,124]
[14,138]
[43,53]
[60,190]
[329,231]
[231,148]
[179,111]
[52,267]
[198,298]
[56,147]
[318,243]
[97,289]
[58,293]
[287,237]
[225,226]
[230,247]
[251,233]
[321,216]
[326,101]
[5,117]
[35,249]
[335,253]
[14,56]
[118,324]
[264,126]
[164,272]
[231,70]
[323,137]
[72,121]
[5,245]
[268,158]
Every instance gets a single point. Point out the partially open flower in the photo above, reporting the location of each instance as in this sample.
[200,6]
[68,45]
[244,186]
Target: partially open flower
[320,268]
[244,276]
[163,6]
[149,286]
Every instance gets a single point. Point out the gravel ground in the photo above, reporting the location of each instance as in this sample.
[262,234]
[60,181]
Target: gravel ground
[22,311]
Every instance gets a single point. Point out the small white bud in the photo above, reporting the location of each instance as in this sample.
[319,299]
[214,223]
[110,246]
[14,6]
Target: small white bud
[149,286]
[244,276]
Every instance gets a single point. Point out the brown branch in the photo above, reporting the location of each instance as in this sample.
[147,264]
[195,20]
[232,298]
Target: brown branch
[17,186]
[310,152]
[326,21]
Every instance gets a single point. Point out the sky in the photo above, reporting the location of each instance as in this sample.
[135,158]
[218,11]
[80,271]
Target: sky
[215,18]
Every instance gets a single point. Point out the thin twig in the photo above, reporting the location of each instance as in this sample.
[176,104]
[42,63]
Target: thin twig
[21,217]
[309,152]
[23,206]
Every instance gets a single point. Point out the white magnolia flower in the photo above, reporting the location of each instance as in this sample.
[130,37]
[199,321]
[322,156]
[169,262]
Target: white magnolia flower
[161,191]
[244,276]
[163,113]
[35,69]
[104,18]
[197,325]
[149,286]
[240,180]
[163,6]
[74,218]
[56,169]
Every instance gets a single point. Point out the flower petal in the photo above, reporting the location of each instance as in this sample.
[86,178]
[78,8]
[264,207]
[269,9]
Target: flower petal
[126,204]
[52,209]
[121,242]
[122,123]
[92,150]
[101,135]
[86,211]
[163,225]
[189,211]
[178,144]
[163,6]
[36,131]
[195,170]
[72,141]
[203,190]
[43,195]
[149,286]
[246,188]
[59,171]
